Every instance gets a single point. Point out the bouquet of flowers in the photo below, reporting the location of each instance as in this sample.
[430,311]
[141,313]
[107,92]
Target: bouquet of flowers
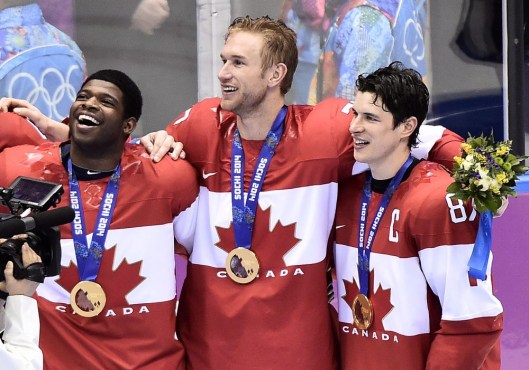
[486,172]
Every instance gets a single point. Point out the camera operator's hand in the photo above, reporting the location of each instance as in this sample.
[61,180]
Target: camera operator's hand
[3,288]
[23,286]
[3,285]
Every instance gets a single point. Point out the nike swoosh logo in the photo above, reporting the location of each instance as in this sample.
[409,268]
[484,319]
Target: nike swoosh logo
[206,175]
[88,172]
[339,226]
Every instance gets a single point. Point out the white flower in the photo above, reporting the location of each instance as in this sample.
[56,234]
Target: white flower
[483,172]
[468,162]
[495,186]
[484,182]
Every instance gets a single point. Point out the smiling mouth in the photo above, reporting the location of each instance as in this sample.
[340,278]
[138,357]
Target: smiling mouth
[360,142]
[229,89]
[86,120]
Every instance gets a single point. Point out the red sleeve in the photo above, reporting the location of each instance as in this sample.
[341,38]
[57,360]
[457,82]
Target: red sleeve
[195,127]
[16,130]
[481,346]
[336,114]
[193,117]
[446,148]
[172,126]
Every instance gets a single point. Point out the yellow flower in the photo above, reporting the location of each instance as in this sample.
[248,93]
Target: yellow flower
[501,177]
[458,160]
[502,149]
[495,186]
[467,148]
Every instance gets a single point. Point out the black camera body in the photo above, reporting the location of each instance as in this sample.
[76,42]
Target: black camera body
[46,243]
[37,196]
[27,193]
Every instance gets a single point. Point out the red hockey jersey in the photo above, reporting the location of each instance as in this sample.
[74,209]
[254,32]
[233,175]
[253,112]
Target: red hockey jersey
[155,204]
[282,320]
[428,314]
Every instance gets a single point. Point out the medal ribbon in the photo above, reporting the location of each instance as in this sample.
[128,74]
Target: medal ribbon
[244,212]
[479,260]
[89,259]
[364,246]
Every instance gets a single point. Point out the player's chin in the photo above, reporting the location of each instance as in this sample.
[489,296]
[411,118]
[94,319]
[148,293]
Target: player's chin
[227,104]
[361,156]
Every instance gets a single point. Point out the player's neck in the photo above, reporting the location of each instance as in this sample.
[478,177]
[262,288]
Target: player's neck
[106,161]
[389,167]
[255,124]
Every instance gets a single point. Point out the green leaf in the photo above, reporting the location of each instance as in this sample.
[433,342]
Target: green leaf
[453,187]
[480,205]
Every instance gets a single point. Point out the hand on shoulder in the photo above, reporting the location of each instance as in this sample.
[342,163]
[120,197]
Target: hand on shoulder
[160,143]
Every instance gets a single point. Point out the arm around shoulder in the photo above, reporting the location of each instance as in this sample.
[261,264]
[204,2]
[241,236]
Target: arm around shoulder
[53,130]
[184,182]
[446,148]
[16,130]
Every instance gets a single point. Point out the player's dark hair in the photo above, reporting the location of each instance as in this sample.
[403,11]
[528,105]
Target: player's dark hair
[400,91]
[133,101]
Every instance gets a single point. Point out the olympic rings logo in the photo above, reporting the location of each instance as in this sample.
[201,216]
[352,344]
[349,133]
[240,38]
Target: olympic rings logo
[413,43]
[64,90]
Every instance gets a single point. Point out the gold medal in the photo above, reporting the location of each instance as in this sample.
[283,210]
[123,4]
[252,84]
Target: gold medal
[87,298]
[362,311]
[242,265]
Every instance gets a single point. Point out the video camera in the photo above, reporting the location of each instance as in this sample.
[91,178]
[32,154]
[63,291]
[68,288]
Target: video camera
[28,200]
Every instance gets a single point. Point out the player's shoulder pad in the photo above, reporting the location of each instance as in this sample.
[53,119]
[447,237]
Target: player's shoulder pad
[167,168]
[12,118]
[334,109]
[335,105]
[200,110]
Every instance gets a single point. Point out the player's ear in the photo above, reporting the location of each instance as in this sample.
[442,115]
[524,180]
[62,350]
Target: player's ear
[277,74]
[129,125]
[408,126]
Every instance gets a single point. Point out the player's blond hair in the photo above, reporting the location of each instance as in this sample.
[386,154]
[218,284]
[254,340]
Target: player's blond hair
[279,44]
